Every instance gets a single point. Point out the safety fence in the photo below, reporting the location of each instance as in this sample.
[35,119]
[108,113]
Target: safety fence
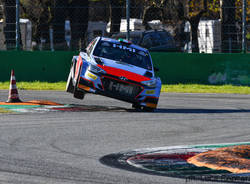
[203,26]
[174,68]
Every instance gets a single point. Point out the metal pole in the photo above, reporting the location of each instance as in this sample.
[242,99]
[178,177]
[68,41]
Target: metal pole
[128,18]
[244,12]
[17,25]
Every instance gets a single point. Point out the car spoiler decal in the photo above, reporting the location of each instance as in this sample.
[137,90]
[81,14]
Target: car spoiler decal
[123,73]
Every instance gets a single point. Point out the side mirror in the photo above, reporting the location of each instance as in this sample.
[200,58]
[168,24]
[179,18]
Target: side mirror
[156,69]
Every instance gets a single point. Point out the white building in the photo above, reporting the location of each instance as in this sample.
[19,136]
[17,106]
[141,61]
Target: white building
[209,36]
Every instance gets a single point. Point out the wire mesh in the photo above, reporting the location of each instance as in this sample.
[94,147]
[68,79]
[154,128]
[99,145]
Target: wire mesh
[204,26]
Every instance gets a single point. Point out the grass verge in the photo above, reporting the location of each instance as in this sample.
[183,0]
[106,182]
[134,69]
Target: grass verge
[175,88]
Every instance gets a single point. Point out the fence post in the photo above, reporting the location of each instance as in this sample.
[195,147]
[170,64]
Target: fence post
[244,12]
[128,19]
[17,25]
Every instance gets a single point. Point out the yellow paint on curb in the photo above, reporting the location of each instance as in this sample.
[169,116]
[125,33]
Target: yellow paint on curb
[33,102]
[2,110]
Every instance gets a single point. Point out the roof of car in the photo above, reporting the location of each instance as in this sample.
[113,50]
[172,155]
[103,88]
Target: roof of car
[117,41]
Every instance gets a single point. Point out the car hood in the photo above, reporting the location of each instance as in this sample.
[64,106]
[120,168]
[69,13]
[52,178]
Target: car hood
[121,69]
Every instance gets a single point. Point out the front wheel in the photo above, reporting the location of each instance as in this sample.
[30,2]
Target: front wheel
[136,106]
[148,109]
[78,94]
[142,108]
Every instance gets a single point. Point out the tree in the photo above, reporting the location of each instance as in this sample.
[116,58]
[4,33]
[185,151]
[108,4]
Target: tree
[152,12]
[59,13]
[115,15]
[77,12]
[38,12]
[9,16]
[228,29]
[194,20]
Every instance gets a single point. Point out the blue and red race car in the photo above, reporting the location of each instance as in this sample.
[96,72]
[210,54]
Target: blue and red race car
[116,69]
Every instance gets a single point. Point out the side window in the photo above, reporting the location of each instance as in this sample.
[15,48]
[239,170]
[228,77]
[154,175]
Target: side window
[91,46]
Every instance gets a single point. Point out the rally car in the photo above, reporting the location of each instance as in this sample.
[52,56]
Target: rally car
[116,69]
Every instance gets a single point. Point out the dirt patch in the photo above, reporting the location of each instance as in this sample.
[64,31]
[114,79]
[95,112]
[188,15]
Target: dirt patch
[235,159]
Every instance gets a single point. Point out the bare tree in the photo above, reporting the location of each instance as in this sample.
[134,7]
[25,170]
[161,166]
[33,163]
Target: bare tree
[115,15]
[9,16]
[228,29]
[37,11]
[79,16]
[77,12]
[59,17]
[179,11]
[194,22]
[152,12]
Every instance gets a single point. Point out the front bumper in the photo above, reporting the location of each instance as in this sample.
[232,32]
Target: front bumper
[112,86]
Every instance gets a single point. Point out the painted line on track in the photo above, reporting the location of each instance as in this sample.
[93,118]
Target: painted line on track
[41,106]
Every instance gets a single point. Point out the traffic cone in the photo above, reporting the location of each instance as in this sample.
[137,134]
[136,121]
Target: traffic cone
[13,93]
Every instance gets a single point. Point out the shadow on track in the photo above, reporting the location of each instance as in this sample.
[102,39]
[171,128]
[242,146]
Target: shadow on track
[201,111]
[92,108]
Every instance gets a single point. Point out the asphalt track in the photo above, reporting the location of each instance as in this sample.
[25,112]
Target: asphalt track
[66,147]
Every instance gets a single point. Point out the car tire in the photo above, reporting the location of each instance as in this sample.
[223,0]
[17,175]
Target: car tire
[69,85]
[78,94]
[148,109]
[136,106]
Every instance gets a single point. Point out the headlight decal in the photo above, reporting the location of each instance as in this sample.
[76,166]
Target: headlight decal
[150,83]
[95,69]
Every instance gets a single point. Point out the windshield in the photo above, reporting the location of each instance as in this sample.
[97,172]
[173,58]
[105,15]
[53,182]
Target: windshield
[123,53]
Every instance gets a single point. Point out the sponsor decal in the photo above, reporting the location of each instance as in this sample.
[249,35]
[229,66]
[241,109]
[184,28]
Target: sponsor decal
[124,47]
[92,76]
[150,92]
[123,78]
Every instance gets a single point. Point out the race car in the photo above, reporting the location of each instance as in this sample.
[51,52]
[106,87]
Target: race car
[116,69]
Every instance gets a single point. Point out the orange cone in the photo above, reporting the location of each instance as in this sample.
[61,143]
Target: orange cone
[13,93]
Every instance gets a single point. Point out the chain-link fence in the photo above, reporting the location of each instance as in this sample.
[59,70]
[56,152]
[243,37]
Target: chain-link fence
[205,26]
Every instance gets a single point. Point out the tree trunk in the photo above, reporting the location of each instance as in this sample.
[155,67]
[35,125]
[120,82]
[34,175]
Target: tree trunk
[151,13]
[79,14]
[228,28]
[194,22]
[115,16]
[10,23]
[60,14]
